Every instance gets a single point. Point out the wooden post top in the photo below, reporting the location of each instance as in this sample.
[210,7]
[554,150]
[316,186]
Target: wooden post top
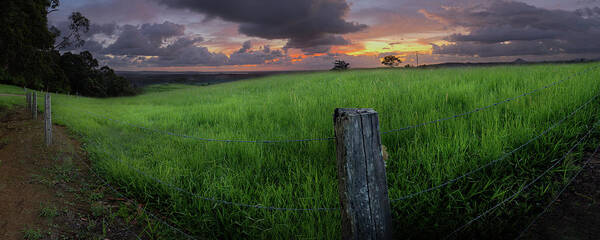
[339,112]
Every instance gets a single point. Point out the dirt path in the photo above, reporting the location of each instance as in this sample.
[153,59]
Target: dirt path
[576,213]
[47,193]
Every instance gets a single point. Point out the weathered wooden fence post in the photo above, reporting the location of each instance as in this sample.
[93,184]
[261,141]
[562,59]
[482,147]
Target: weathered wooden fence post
[361,175]
[34,105]
[48,120]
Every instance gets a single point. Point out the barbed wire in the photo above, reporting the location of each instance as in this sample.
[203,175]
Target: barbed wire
[488,106]
[332,138]
[126,198]
[169,185]
[156,218]
[513,196]
[386,132]
[503,157]
[209,139]
[559,194]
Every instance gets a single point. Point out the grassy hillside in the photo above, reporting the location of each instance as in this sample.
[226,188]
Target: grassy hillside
[9,101]
[6,89]
[303,174]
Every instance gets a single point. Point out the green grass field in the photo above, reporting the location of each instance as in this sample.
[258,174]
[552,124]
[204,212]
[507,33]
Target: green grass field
[303,175]
[9,101]
[6,89]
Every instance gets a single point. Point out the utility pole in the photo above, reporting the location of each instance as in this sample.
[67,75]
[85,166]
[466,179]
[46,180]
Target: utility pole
[417,53]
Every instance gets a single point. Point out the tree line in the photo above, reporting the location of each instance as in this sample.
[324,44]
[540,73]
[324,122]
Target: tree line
[390,61]
[31,54]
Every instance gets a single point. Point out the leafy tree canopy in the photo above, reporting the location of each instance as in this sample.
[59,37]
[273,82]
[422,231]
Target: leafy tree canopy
[30,58]
[340,65]
[391,61]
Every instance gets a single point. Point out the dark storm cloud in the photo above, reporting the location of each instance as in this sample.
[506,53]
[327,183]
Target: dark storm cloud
[245,47]
[588,12]
[157,33]
[180,53]
[246,56]
[509,28]
[588,2]
[505,33]
[146,39]
[311,25]
[496,49]
[166,45]
[161,45]
[187,56]
[139,11]
[316,44]
[106,29]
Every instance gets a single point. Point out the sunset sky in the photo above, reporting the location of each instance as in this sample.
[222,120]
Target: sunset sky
[259,35]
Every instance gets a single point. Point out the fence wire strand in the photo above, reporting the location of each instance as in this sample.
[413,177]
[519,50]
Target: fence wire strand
[516,194]
[559,194]
[510,198]
[503,157]
[489,106]
[171,186]
[209,139]
[332,138]
[175,229]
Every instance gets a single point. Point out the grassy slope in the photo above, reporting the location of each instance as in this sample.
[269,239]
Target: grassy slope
[11,89]
[303,175]
[9,101]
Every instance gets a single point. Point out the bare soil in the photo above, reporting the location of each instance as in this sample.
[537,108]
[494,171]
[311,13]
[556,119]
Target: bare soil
[48,192]
[576,213]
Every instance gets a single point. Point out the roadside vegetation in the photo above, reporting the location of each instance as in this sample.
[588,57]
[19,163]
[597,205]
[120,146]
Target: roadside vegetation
[303,174]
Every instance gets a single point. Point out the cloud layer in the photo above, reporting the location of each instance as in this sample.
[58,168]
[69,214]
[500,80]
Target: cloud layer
[310,25]
[509,28]
[165,44]
[310,34]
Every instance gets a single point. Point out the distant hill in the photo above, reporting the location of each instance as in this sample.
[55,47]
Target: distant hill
[142,79]
[518,61]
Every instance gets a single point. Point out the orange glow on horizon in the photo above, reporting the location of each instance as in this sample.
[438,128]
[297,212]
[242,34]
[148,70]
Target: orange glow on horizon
[272,61]
[404,49]
[377,47]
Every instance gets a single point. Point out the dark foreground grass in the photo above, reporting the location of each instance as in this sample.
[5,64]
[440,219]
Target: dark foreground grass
[303,175]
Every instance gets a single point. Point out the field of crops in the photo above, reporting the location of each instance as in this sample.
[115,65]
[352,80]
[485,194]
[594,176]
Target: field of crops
[128,144]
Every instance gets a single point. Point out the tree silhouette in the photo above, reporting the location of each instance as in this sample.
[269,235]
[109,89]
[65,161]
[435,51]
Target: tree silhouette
[340,65]
[391,61]
[53,6]
[30,58]
[79,24]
